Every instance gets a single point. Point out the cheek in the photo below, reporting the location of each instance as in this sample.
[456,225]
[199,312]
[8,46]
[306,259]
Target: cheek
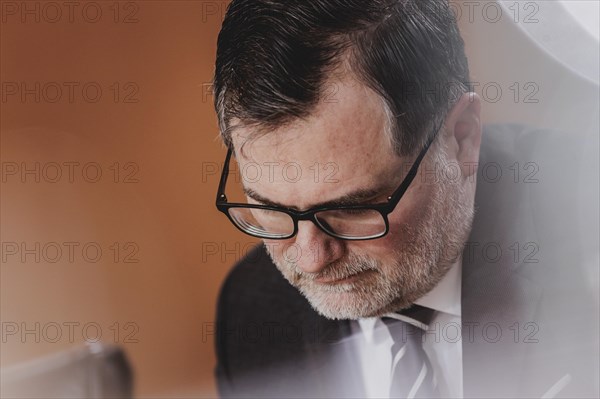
[407,214]
[380,249]
[412,208]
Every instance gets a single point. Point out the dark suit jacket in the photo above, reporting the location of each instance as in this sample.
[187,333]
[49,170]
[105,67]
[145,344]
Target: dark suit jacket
[529,315]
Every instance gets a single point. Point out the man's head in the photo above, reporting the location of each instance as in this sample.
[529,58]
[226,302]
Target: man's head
[349,92]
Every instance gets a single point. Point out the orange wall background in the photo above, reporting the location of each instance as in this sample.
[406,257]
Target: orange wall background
[151,132]
[140,113]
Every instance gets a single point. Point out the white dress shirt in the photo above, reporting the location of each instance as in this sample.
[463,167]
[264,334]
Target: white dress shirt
[442,341]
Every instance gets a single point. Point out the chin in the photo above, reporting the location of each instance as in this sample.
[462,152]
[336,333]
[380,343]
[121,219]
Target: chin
[357,301]
[346,305]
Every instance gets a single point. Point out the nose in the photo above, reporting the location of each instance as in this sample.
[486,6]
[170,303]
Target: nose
[316,249]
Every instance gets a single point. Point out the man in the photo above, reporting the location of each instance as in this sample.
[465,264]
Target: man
[393,263]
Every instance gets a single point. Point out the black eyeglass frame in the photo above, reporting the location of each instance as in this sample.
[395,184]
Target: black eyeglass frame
[383,208]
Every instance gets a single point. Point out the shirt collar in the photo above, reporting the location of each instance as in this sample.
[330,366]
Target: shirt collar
[446,295]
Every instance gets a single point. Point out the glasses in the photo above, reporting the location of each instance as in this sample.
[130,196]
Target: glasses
[351,222]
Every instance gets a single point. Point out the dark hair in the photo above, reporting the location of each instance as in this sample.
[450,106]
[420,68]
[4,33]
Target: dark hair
[274,56]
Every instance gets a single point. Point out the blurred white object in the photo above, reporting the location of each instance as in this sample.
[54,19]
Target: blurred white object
[586,13]
[92,371]
[566,30]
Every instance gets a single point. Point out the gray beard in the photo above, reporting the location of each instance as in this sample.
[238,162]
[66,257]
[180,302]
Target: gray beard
[431,245]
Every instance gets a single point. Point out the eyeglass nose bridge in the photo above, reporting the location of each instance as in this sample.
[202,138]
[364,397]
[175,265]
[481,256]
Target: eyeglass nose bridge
[311,216]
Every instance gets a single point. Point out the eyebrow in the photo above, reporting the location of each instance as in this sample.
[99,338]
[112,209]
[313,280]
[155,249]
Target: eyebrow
[357,197]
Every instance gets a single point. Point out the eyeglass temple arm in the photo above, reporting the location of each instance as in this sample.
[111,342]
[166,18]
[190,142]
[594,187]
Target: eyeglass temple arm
[413,171]
[221,197]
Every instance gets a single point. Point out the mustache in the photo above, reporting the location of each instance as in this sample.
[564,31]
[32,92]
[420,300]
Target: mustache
[341,269]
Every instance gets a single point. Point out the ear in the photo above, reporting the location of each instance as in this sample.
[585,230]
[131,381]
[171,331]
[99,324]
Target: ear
[463,131]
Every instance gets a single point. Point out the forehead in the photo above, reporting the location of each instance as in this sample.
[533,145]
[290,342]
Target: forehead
[341,147]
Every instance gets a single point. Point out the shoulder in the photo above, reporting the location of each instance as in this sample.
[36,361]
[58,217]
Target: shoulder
[254,285]
[533,189]
[258,308]
[541,175]
[263,326]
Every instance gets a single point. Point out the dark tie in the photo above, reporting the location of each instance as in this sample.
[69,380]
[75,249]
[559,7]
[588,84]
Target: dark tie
[412,374]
